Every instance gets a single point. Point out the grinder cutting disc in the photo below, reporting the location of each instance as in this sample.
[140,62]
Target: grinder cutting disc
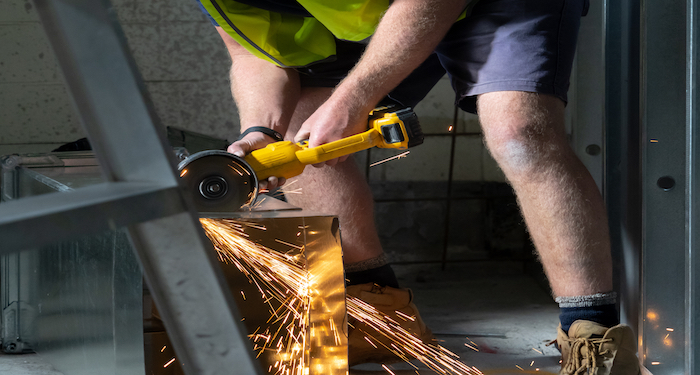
[220,181]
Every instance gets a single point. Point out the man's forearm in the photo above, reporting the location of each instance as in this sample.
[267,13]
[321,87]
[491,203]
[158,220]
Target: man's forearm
[407,34]
[265,94]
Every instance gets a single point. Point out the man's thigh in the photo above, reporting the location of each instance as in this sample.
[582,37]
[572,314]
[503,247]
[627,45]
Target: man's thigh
[512,45]
[310,99]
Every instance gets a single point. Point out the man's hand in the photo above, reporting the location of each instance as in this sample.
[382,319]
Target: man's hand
[249,143]
[407,34]
[331,122]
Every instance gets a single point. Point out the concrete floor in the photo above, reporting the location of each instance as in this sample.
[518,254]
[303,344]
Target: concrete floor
[505,312]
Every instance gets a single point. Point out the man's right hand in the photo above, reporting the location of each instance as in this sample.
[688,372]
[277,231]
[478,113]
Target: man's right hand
[249,143]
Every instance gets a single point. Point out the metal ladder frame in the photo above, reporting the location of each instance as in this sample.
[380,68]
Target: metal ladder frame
[142,193]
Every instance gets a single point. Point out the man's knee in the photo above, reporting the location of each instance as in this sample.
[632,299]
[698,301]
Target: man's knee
[522,130]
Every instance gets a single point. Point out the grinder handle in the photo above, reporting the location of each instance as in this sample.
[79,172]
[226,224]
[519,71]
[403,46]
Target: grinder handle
[287,159]
[341,147]
[388,129]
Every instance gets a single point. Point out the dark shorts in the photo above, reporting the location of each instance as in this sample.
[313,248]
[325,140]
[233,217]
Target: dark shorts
[503,45]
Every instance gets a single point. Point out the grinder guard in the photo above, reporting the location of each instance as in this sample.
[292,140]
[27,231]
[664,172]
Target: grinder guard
[219,181]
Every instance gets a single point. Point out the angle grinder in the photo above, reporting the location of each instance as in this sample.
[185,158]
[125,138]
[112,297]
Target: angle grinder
[223,182]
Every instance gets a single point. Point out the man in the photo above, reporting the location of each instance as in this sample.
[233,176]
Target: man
[309,70]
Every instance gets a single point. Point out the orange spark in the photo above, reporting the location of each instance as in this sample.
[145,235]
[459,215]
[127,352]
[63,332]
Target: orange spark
[370,342]
[283,278]
[405,316]
[170,362]
[399,156]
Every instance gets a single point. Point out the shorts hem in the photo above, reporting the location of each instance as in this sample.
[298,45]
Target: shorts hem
[468,105]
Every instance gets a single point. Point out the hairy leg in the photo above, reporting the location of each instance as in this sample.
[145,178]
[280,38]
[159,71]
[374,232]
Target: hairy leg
[340,190]
[560,202]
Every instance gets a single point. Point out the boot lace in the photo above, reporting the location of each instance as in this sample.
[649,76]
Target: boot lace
[577,363]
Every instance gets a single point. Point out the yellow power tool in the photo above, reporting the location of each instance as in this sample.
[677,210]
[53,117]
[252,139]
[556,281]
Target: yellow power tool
[223,182]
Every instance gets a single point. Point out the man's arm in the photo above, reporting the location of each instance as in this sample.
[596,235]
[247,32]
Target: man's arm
[407,34]
[265,95]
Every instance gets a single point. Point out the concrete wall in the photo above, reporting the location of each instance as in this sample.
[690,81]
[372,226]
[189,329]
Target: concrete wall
[178,54]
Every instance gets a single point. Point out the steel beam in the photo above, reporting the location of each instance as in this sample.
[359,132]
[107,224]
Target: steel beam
[177,259]
[196,305]
[107,90]
[665,272]
[622,151]
[692,187]
[46,219]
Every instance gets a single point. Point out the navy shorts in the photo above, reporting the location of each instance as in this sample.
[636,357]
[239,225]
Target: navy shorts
[502,45]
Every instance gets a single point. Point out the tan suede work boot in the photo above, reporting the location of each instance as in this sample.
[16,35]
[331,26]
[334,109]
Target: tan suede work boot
[591,348]
[365,344]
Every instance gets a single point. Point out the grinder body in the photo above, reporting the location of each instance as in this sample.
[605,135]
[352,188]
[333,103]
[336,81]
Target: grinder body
[387,129]
[204,172]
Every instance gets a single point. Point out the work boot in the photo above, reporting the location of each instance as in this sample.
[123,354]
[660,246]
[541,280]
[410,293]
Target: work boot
[365,344]
[591,348]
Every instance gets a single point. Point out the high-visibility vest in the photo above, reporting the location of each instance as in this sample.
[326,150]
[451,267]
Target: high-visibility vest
[291,40]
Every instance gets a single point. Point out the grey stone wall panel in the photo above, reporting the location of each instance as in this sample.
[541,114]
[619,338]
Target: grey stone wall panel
[37,113]
[26,55]
[14,11]
[203,107]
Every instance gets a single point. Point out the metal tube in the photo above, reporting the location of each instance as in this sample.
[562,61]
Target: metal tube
[664,199]
[692,351]
[450,176]
[177,259]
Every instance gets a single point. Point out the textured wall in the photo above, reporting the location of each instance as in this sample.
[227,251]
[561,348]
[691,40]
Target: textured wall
[184,64]
[34,106]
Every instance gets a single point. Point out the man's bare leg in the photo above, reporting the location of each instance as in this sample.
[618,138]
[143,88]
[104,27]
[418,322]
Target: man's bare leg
[340,190]
[560,202]
[567,221]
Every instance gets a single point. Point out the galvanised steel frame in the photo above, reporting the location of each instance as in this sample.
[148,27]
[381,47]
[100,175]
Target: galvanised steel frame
[142,192]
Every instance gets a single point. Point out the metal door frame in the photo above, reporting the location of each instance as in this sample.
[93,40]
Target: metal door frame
[142,192]
[652,181]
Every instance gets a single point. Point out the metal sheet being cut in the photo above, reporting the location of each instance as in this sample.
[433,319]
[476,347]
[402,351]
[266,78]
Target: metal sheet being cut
[298,257]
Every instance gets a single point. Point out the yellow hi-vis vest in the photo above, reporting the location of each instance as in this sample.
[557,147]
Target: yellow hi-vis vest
[294,41]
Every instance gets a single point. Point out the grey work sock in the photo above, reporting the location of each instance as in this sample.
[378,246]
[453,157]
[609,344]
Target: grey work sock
[375,270]
[600,308]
